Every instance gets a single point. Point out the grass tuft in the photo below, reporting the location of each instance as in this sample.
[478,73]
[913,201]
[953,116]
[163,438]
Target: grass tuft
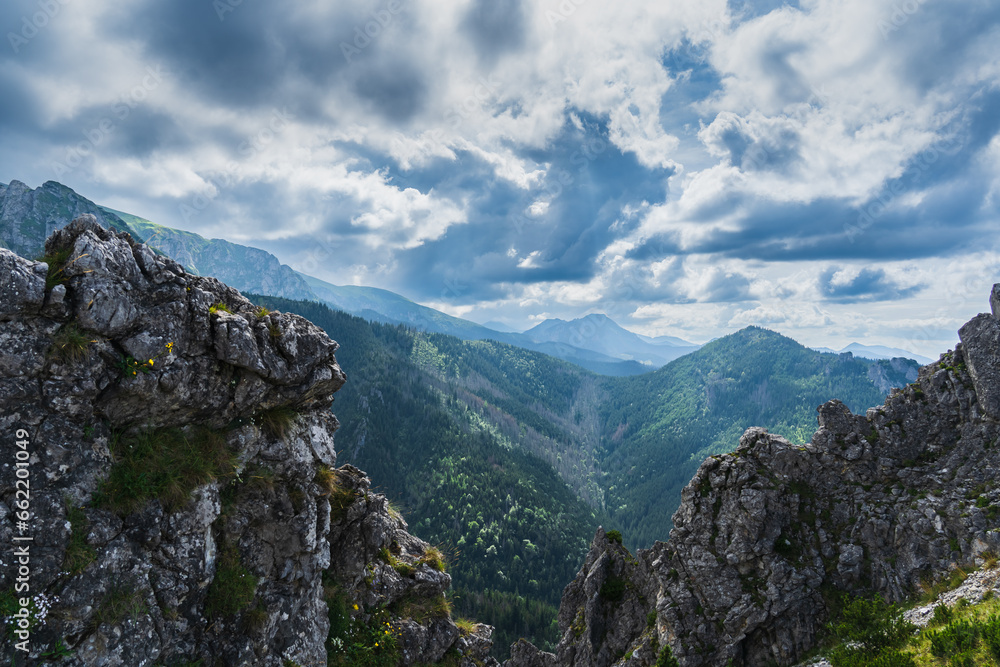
[165,464]
[276,422]
[57,261]
[465,626]
[70,344]
[219,307]
[122,602]
[233,587]
[433,558]
[79,554]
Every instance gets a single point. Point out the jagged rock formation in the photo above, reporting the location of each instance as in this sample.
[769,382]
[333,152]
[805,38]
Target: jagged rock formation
[179,455]
[768,536]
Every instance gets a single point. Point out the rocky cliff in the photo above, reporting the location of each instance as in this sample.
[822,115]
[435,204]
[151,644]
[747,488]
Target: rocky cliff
[769,537]
[168,487]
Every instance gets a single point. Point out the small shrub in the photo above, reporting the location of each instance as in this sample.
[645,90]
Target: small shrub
[956,637]
[360,643]
[651,619]
[233,587]
[943,614]
[990,633]
[613,589]
[869,630]
[614,536]
[666,658]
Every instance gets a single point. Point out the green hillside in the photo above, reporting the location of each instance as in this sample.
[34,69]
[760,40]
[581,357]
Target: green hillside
[510,458]
[657,428]
[457,465]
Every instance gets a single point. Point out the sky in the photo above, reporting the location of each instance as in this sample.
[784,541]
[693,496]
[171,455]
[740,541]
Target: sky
[826,169]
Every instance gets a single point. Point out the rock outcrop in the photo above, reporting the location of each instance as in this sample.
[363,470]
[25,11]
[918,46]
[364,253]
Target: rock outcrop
[769,536]
[167,488]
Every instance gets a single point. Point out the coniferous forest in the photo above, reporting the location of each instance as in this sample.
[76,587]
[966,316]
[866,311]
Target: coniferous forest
[509,459]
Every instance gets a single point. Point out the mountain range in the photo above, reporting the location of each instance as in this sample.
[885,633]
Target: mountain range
[506,453]
[594,342]
[877,352]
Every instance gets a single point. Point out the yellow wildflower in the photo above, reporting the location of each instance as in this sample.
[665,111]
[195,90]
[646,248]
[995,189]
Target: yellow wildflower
[150,362]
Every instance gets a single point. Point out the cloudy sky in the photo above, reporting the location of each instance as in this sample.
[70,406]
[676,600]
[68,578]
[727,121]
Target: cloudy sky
[827,169]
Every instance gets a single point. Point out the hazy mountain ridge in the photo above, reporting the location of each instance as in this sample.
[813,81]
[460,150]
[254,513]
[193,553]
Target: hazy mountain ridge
[877,352]
[600,333]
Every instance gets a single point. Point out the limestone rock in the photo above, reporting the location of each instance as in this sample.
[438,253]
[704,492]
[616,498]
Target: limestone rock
[128,352]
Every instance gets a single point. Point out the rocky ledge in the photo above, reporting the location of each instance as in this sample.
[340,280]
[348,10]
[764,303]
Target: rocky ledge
[769,537]
[168,487]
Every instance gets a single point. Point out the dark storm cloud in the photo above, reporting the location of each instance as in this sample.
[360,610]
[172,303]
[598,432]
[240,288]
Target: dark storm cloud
[495,27]
[394,90]
[260,54]
[932,44]
[869,285]
[236,60]
[587,186]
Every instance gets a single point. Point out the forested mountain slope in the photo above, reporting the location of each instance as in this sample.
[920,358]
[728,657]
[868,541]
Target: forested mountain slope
[471,438]
[658,427]
[456,457]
